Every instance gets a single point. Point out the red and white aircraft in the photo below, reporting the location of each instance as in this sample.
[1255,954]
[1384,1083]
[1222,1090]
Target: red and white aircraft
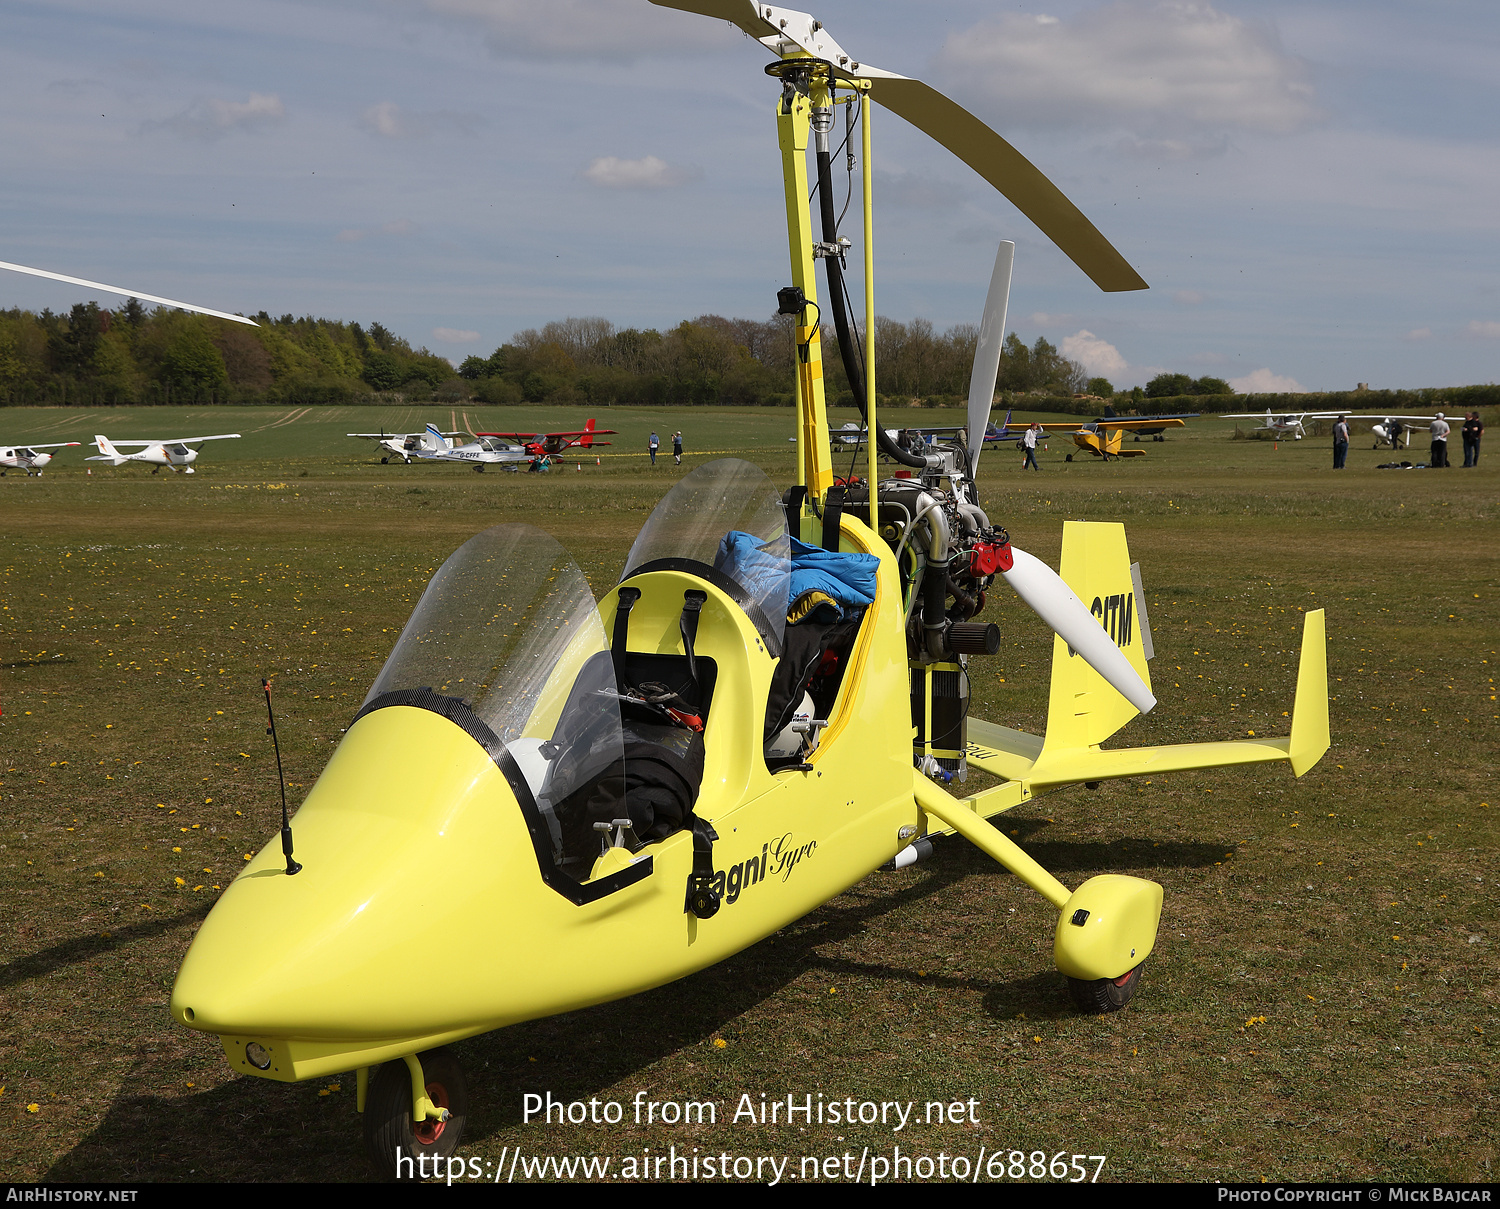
[174,453]
[550,444]
[30,458]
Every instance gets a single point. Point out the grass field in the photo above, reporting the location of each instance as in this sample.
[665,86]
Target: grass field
[1323,1000]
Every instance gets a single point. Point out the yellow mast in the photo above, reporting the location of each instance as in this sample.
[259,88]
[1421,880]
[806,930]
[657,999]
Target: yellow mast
[793,121]
[872,449]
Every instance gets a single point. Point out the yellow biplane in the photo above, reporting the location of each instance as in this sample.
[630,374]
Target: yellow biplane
[770,705]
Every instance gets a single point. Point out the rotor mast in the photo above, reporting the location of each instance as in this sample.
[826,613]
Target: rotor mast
[805,100]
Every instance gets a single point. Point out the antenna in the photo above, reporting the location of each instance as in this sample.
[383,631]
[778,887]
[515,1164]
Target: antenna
[286,826]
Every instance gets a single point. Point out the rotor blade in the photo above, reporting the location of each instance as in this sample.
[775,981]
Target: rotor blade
[744,13]
[987,351]
[1009,171]
[945,121]
[1055,603]
[114,289]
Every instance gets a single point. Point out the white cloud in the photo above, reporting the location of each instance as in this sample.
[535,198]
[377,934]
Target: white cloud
[618,30]
[611,172]
[1173,150]
[388,120]
[401,226]
[1168,65]
[1264,382]
[1188,297]
[215,118]
[917,191]
[1486,328]
[454,335]
[1419,333]
[1095,355]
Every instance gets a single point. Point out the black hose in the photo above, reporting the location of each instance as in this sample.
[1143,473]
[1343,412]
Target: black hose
[841,319]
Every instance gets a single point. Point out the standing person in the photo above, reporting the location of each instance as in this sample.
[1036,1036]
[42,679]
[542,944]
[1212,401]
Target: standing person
[1439,430]
[677,448]
[1473,430]
[1029,442]
[653,445]
[1340,442]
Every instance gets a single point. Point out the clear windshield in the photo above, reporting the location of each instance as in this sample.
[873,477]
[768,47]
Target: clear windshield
[726,516]
[509,626]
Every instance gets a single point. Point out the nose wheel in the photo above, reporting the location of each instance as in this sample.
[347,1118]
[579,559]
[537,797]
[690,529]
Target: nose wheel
[396,1144]
[1101,995]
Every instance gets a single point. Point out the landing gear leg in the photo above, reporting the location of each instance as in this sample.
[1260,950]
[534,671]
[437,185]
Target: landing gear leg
[393,1140]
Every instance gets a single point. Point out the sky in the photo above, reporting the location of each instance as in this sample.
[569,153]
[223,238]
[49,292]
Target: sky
[1310,188]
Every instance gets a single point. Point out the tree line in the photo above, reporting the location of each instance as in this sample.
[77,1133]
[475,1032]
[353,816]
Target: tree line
[92,357]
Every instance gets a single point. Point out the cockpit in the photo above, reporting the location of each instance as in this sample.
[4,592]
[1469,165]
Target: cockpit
[602,732]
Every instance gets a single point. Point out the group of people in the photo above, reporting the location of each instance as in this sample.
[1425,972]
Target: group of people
[1472,430]
[655,443]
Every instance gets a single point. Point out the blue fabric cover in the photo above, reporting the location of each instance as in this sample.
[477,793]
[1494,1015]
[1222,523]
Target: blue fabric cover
[847,578]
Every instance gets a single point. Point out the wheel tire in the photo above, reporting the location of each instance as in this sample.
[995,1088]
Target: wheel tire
[1102,995]
[385,461]
[388,1124]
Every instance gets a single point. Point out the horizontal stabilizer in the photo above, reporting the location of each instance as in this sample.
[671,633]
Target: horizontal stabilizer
[1063,758]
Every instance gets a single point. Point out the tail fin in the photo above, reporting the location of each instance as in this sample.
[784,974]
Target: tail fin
[1310,737]
[108,452]
[433,441]
[588,435]
[1084,709]
[1109,411]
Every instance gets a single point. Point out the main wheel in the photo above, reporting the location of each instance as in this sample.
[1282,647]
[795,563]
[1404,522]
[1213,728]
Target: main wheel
[1102,995]
[390,1137]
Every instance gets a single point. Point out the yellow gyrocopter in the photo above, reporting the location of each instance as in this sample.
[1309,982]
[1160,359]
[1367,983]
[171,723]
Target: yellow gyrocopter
[770,705]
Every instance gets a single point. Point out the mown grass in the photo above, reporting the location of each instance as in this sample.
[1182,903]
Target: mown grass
[1322,1004]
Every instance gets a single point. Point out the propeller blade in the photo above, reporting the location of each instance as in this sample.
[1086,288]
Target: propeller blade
[987,352]
[114,289]
[1055,603]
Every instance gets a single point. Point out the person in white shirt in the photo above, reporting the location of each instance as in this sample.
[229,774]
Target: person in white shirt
[1029,441]
[1439,430]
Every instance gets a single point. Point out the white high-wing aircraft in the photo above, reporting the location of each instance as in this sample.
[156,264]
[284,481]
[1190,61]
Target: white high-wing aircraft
[479,453]
[406,444]
[1387,427]
[30,458]
[172,453]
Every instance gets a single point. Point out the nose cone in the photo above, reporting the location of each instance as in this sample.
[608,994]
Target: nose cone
[415,859]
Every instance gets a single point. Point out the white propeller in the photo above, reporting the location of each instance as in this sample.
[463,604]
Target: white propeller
[987,352]
[114,289]
[1055,603]
[787,32]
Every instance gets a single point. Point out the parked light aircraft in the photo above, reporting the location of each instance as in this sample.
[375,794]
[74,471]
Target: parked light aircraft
[596,812]
[1388,428]
[173,453]
[550,444]
[404,444]
[1102,437]
[30,458]
[484,450]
